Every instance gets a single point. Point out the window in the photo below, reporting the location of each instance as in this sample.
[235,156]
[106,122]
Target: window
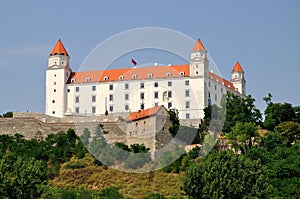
[93,109]
[111,97]
[187,116]
[155,95]
[53,112]
[126,96]
[150,75]
[76,99]
[121,77]
[94,98]
[87,79]
[111,87]
[169,74]
[169,94]
[126,107]
[181,73]
[208,84]
[187,93]
[67,90]
[111,108]
[208,94]
[126,86]
[54,90]
[169,104]
[53,101]
[155,104]
[93,88]
[169,83]
[221,90]
[72,80]
[54,75]
[215,87]
[209,101]
[187,104]
[77,89]
[187,82]
[142,106]
[77,109]
[134,76]
[105,78]
[216,97]
[142,85]
[155,84]
[54,83]
[142,95]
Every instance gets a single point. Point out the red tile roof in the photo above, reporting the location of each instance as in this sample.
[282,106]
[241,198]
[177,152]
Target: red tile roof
[129,73]
[221,80]
[237,67]
[198,45]
[59,49]
[143,114]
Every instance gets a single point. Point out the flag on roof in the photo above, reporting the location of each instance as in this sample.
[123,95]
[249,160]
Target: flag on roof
[133,62]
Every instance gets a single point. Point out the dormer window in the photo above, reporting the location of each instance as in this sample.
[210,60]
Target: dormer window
[105,78]
[150,75]
[121,77]
[181,73]
[169,74]
[134,76]
[73,80]
[88,79]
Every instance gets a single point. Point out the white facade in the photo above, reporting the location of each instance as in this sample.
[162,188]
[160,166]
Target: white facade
[187,88]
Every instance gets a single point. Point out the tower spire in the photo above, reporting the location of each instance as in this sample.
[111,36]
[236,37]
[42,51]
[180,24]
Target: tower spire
[59,49]
[198,46]
[237,67]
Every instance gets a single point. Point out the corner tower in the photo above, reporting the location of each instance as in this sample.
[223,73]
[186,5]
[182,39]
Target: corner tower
[238,79]
[199,61]
[57,75]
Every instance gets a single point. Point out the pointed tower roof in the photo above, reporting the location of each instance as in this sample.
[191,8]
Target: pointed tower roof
[59,49]
[237,67]
[198,45]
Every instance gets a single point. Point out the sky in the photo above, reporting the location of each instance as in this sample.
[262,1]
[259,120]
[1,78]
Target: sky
[262,35]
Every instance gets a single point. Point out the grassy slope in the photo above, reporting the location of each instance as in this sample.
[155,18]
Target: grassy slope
[132,185]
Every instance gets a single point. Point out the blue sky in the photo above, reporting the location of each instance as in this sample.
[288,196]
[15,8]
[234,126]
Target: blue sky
[262,35]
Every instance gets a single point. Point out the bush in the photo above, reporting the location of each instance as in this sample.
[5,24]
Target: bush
[8,114]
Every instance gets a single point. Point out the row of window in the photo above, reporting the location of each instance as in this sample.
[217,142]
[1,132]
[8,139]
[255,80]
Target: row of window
[142,85]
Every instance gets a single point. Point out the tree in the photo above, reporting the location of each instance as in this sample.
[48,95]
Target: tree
[226,175]
[243,136]
[276,113]
[21,178]
[8,114]
[289,130]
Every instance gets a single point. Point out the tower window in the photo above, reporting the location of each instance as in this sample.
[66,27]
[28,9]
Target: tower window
[169,94]
[187,82]
[221,90]
[54,90]
[126,96]
[156,95]
[54,83]
[53,112]
[142,106]
[170,83]
[208,84]
[169,104]
[77,99]
[196,72]
[155,104]
[111,87]
[142,85]
[126,86]
[187,104]
[77,89]
[187,116]
[67,90]
[77,109]
[111,108]
[216,97]
[155,84]
[93,109]
[93,88]
[142,96]
[215,87]
[94,98]
[111,97]
[54,75]
[187,93]
[126,107]
[53,101]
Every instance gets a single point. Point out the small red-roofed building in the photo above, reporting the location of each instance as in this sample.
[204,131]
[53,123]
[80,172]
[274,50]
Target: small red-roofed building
[189,88]
[149,127]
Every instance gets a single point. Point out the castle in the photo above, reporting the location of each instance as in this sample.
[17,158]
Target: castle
[189,88]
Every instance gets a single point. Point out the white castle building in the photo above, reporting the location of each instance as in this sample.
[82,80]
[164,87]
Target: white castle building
[189,88]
